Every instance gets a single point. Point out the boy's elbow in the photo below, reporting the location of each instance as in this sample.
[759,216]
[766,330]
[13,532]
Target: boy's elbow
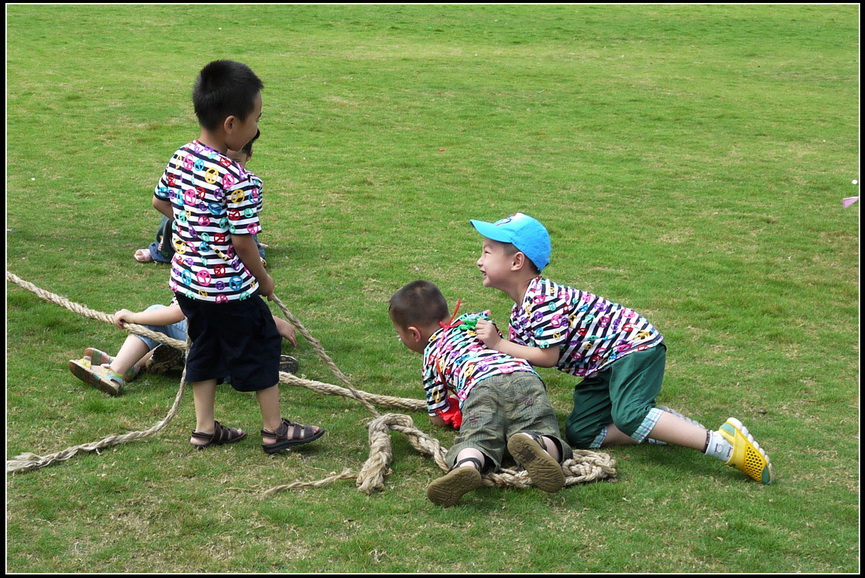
[162,206]
[547,357]
[437,420]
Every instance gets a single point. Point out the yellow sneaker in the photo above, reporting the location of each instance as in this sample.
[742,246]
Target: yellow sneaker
[748,456]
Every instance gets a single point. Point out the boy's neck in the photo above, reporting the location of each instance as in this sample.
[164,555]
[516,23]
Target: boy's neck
[214,140]
[517,289]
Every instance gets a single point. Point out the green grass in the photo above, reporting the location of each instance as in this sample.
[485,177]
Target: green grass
[689,161]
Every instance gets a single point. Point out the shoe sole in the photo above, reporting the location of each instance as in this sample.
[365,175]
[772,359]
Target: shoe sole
[447,490]
[164,358]
[85,373]
[756,463]
[288,364]
[543,469]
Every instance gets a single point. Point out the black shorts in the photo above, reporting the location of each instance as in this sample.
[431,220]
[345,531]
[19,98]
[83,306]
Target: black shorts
[238,339]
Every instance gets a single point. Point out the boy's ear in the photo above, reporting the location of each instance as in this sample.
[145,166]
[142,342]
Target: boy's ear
[229,123]
[519,261]
[414,333]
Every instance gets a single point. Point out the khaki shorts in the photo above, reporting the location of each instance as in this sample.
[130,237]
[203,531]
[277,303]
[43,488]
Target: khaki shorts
[501,406]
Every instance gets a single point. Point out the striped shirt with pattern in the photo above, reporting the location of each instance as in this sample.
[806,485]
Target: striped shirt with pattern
[455,359]
[590,331]
[212,198]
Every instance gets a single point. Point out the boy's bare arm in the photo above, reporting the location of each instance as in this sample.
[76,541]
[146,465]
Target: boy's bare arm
[163,207]
[436,420]
[247,251]
[489,334]
[162,316]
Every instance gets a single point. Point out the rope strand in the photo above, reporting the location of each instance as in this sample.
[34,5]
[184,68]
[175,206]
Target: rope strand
[586,466]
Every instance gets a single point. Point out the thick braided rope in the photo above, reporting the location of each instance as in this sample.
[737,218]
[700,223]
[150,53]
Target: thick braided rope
[316,345]
[31,461]
[591,466]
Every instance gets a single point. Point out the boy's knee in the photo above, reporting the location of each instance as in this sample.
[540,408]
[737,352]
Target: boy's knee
[580,439]
[629,422]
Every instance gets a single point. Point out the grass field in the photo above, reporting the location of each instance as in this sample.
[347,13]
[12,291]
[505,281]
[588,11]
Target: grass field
[689,161]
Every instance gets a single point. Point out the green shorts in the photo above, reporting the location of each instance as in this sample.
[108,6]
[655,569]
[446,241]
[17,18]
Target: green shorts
[503,405]
[623,394]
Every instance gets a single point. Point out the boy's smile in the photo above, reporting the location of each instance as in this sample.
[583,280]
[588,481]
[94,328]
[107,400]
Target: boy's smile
[494,263]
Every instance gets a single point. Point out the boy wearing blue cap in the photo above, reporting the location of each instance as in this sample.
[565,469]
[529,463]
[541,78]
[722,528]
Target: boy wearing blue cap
[617,352]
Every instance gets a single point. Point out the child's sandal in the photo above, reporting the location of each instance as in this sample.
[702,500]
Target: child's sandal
[100,376]
[531,453]
[97,357]
[283,441]
[221,435]
[447,490]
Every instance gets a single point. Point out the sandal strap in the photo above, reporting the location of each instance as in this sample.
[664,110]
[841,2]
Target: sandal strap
[281,432]
[220,435]
[539,438]
[477,462]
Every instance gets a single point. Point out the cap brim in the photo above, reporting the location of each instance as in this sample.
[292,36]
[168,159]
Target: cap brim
[490,231]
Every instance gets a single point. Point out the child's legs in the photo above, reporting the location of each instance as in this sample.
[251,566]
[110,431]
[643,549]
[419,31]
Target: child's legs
[592,412]
[483,426]
[529,409]
[204,397]
[674,430]
[635,381]
[162,249]
[131,352]
[249,343]
[174,331]
[268,402]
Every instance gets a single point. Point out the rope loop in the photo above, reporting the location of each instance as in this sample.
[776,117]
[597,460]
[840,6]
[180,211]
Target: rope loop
[586,466]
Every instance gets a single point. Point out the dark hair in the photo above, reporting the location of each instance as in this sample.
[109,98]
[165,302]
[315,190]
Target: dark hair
[247,148]
[224,88]
[418,303]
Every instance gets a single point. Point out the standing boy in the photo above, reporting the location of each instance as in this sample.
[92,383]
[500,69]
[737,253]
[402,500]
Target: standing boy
[617,352]
[216,273]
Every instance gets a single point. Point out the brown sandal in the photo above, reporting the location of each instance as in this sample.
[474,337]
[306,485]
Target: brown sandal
[531,453]
[307,434]
[221,435]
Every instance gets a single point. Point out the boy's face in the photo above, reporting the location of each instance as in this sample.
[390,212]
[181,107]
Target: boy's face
[495,264]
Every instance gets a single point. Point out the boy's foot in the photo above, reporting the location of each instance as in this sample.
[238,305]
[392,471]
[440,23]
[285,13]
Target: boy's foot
[221,435]
[289,434]
[143,255]
[97,357]
[164,358]
[447,490]
[748,456]
[100,376]
[288,364]
[543,469]
[93,356]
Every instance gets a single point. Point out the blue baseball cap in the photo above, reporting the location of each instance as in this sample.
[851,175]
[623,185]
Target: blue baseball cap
[524,232]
